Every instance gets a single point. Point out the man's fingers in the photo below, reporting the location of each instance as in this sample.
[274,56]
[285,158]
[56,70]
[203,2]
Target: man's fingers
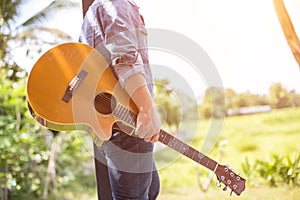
[148,125]
[147,139]
[153,139]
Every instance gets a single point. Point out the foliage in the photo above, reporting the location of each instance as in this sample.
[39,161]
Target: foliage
[213,103]
[169,107]
[214,100]
[27,34]
[279,97]
[235,100]
[295,98]
[24,154]
[276,170]
[25,148]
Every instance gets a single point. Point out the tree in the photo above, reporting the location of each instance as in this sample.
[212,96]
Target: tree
[24,150]
[235,101]
[26,34]
[295,98]
[230,98]
[24,156]
[169,107]
[213,103]
[288,29]
[279,97]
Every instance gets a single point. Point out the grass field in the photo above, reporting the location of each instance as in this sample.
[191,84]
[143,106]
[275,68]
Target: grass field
[253,137]
[261,193]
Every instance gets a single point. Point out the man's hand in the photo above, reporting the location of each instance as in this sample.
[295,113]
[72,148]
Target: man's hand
[148,124]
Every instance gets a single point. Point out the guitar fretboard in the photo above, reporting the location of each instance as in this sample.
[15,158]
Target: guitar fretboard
[125,115]
[129,117]
[186,150]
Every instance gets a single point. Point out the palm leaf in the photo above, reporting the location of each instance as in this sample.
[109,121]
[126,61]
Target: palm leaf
[35,33]
[42,16]
[8,11]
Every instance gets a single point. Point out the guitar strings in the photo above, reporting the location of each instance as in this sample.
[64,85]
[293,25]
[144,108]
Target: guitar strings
[108,101]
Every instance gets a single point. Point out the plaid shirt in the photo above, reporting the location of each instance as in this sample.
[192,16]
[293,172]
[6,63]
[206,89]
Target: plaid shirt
[117,30]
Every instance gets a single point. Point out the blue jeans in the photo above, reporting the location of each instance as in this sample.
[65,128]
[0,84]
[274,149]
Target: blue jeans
[131,168]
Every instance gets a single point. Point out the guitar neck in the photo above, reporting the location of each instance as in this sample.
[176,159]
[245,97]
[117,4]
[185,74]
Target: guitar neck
[187,150]
[224,174]
[164,137]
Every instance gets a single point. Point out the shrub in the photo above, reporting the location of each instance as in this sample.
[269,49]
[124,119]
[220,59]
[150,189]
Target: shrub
[276,170]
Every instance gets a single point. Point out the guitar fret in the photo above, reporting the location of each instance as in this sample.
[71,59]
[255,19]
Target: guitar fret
[166,140]
[162,137]
[120,112]
[193,150]
[123,113]
[117,111]
[132,118]
[204,161]
[125,117]
[189,153]
[130,121]
[172,143]
[183,148]
[178,145]
[200,156]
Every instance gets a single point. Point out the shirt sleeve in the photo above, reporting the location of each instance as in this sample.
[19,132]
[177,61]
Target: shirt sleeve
[123,37]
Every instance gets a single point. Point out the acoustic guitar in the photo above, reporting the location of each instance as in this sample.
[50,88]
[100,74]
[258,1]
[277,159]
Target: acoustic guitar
[72,87]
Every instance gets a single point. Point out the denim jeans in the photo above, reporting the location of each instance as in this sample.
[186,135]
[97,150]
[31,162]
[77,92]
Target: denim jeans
[131,168]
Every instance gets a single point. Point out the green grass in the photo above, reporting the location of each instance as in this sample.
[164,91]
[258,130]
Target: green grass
[254,137]
[259,193]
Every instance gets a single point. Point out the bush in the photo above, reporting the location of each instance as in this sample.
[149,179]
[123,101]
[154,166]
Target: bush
[276,171]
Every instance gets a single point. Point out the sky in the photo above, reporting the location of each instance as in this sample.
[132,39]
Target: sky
[243,38]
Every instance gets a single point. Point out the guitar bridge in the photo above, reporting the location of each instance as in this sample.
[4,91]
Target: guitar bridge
[74,84]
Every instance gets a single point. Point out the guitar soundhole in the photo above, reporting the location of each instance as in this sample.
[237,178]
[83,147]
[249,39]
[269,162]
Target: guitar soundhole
[105,103]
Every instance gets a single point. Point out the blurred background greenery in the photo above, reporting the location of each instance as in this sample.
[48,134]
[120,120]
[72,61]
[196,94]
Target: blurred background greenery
[259,142]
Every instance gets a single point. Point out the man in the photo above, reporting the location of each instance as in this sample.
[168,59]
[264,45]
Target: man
[116,29]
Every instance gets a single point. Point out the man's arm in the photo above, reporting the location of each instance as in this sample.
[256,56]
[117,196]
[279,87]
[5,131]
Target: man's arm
[148,122]
[123,39]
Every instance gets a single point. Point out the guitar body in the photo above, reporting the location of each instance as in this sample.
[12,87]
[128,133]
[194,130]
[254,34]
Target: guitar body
[64,85]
